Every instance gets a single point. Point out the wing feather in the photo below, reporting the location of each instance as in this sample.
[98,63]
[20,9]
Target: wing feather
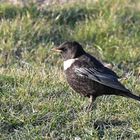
[106,79]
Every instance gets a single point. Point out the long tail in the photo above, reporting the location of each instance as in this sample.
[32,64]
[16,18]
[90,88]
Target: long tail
[130,95]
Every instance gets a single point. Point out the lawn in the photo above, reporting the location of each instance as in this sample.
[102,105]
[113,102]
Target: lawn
[36,102]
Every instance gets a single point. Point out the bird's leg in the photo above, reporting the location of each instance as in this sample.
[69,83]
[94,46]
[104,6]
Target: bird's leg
[91,103]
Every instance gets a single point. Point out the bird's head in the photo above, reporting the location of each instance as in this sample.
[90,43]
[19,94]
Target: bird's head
[70,50]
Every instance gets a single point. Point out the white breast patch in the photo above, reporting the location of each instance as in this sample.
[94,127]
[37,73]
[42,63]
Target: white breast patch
[68,63]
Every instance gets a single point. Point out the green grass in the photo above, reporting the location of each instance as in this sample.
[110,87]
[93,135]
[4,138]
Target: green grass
[35,99]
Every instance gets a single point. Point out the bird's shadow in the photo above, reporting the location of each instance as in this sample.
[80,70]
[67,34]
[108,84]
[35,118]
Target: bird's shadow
[101,126]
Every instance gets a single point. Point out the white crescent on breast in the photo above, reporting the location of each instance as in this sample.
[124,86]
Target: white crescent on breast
[68,63]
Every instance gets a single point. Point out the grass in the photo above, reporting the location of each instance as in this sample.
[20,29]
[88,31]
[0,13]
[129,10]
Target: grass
[35,99]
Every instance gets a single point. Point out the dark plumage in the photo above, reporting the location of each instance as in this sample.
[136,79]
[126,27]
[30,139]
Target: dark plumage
[88,76]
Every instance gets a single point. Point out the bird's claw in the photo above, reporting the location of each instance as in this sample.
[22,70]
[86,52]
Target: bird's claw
[90,107]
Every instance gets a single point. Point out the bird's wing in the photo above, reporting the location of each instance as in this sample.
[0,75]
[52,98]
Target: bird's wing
[101,77]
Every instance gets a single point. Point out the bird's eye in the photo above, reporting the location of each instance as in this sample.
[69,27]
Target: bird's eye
[64,49]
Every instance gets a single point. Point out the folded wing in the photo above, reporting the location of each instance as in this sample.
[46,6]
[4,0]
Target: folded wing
[103,78]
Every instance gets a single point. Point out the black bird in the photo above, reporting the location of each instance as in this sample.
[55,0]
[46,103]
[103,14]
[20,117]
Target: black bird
[88,76]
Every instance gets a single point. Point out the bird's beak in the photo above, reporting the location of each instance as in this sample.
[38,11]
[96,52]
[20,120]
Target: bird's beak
[56,50]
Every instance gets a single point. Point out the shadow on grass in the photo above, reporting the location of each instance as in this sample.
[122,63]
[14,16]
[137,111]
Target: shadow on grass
[101,126]
[7,127]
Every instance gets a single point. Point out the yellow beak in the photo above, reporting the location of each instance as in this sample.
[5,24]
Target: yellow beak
[56,49]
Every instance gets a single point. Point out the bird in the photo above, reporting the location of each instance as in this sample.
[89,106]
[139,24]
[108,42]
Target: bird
[88,76]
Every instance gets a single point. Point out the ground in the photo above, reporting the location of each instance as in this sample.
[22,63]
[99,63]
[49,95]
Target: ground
[35,99]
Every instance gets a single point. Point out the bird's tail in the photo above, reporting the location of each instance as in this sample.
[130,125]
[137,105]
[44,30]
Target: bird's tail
[130,95]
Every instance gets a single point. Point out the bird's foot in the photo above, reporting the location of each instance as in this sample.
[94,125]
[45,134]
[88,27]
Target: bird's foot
[90,107]
[92,104]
